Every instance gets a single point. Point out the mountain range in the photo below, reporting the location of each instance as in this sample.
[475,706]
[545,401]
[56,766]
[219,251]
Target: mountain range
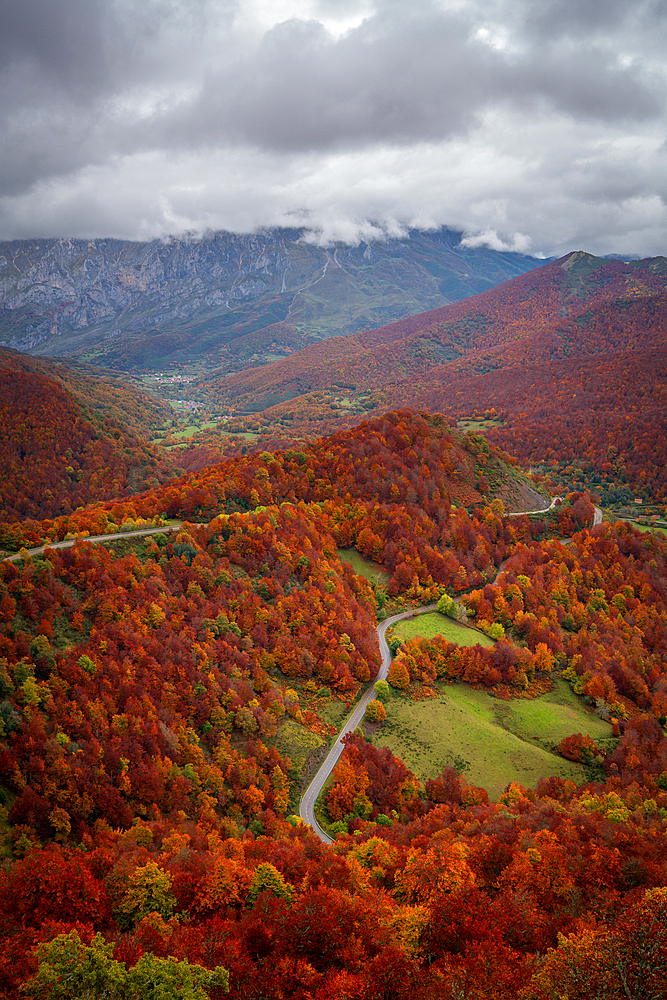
[578,305]
[570,357]
[226,300]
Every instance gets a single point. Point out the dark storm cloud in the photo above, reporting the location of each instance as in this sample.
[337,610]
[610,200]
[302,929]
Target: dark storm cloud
[395,78]
[409,73]
[86,48]
[188,113]
[61,44]
[571,18]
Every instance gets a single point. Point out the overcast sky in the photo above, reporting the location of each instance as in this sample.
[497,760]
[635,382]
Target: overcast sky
[537,125]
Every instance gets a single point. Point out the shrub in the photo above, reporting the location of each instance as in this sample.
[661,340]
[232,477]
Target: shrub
[382,690]
[375,711]
[447,606]
[578,748]
[398,675]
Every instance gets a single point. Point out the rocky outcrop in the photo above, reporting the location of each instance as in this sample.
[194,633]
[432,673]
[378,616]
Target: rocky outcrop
[112,300]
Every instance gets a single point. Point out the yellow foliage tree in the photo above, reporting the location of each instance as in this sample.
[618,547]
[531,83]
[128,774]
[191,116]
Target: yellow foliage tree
[428,873]
[398,676]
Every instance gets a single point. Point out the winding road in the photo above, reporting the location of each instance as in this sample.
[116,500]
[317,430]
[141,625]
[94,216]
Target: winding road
[94,538]
[310,796]
[307,806]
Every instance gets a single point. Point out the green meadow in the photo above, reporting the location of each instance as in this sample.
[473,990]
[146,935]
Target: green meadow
[363,567]
[655,529]
[470,424]
[432,623]
[488,741]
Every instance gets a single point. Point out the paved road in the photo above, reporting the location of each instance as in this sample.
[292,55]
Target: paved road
[307,806]
[94,538]
[310,796]
[597,517]
[542,510]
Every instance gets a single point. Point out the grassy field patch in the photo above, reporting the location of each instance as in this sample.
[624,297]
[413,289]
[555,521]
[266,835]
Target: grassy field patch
[551,717]
[655,529]
[431,624]
[191,429]
[477,425]
[488,741]
[333,712]
[297,743]
[363,567]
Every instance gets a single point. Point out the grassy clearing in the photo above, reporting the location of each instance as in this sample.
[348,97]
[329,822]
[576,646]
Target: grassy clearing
[654,529]
[297,743]
[333,712]
[363,567]
[431,624]
[490,742]
[477,425]
[191,429]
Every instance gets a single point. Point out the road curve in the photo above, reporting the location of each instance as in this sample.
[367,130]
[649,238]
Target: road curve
[542,510]
[309,798]
[597,516]
[93,538]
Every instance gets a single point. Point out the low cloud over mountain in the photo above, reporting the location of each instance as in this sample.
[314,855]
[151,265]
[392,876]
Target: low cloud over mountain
[538,126]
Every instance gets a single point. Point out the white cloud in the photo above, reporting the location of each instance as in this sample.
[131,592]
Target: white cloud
[529,126]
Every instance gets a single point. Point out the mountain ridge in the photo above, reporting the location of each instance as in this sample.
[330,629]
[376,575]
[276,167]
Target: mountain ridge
[458,338]
[148,304]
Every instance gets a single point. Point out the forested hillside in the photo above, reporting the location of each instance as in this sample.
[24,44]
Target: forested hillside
[597,423]
[164,700]
[70,438]
[568,360]
[578,305]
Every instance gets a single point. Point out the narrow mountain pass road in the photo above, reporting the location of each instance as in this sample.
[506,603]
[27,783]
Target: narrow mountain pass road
[310,796]
[542,510]
[165,529]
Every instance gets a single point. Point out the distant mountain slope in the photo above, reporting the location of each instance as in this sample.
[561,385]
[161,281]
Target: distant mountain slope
[597,423]
[103,391]
[571,358]
[577,305]
[227,299]
[69,439]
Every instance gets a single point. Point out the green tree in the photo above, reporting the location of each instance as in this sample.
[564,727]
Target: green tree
[167,979]
[149,891]
[71,970]
[268,878]
[447,606]
[382,690]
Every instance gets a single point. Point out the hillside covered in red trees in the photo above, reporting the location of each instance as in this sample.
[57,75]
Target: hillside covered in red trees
[164,699]
[70,438]
[570,357]
[577,305]
[595,423]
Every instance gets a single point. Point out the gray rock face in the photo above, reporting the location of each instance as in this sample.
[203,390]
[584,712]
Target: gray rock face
[114,301]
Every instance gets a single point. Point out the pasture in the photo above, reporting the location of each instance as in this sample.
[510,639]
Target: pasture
[432,623]
[488,741]
[363,567]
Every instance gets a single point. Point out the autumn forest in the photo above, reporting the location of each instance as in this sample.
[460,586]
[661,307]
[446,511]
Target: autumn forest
[167,693]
